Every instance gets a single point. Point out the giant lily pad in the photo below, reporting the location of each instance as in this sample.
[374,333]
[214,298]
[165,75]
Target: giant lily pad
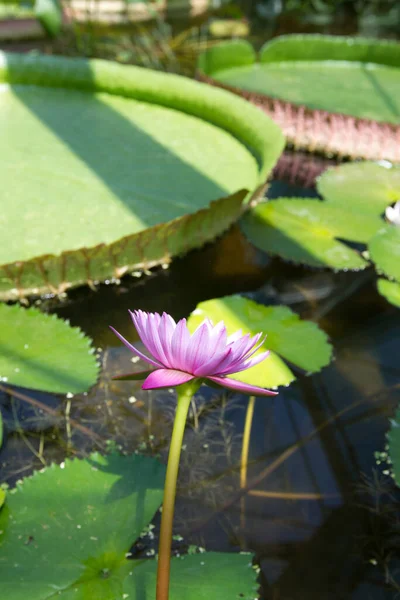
[335,74]
[304,230]
[394,446]
[301,343]
[355,77]
[43,352]
[109,168]
[67,531]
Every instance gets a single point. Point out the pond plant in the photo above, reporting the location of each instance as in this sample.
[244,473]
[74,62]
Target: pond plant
[330,94]
[181,359]
[165,165]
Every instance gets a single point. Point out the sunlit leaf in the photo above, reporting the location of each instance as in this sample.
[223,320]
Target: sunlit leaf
[390,290]
[308,231]
[2,497]
[43,352]
[82,518]
[289,338]
[126,164]
[384,249]
[365,186]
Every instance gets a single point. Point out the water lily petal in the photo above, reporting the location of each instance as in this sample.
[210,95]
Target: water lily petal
[179,343]
[161,378]
[155,345]
[251,362]
[198,350]
[213,365]
[151,361]
[240,386]
[165,330]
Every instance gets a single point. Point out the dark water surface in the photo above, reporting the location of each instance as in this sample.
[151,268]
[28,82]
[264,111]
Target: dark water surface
[319,513]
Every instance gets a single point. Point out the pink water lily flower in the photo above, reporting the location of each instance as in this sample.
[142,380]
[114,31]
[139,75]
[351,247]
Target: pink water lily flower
[209,353]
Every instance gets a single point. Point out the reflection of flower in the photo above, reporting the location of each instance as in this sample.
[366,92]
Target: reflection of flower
[178,357]
[393,214]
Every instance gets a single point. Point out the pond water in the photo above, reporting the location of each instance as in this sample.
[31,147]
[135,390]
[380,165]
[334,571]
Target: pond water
[317,510]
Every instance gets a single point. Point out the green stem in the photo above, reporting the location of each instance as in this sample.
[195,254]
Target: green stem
[185,393]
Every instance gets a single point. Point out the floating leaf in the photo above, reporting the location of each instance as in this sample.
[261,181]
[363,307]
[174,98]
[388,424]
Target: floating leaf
[384,249]
[390,290]
[394,446]
[126,164]
[299,342]
[81,521]
[2,497]
[341,75]
[365,186]
[43,352]
[308,231]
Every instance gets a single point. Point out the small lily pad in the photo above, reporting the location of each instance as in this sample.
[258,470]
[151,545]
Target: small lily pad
[384,249]
[305,230]
[394,446]
[390,290]
[288,337]
[365,186]
[43,352]
[67,531]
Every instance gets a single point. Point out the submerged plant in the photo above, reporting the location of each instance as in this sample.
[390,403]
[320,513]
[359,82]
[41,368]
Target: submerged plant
[184,360]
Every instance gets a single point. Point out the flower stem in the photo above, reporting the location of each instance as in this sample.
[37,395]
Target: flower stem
[185,393]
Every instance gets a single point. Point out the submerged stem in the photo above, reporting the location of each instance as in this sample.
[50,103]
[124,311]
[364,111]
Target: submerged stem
[185,393]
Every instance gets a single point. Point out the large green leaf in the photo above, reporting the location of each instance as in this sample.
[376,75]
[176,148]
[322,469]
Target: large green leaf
[365,186]
[390,290]
[67,531]
[288,337]
[339,75]
[43,352]
[394,446]
[113,168]
[384,249]
[308,231]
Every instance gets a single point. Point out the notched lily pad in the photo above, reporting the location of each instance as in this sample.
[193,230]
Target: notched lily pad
[390,290]
[131,167]
[67,530]
[305,230]
[365,186]
[289,338]
[43,352]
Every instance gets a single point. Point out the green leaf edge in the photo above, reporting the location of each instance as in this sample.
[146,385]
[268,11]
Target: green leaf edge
[290,259]
[389,289]
[300,47]
[77,331]
[154,246]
